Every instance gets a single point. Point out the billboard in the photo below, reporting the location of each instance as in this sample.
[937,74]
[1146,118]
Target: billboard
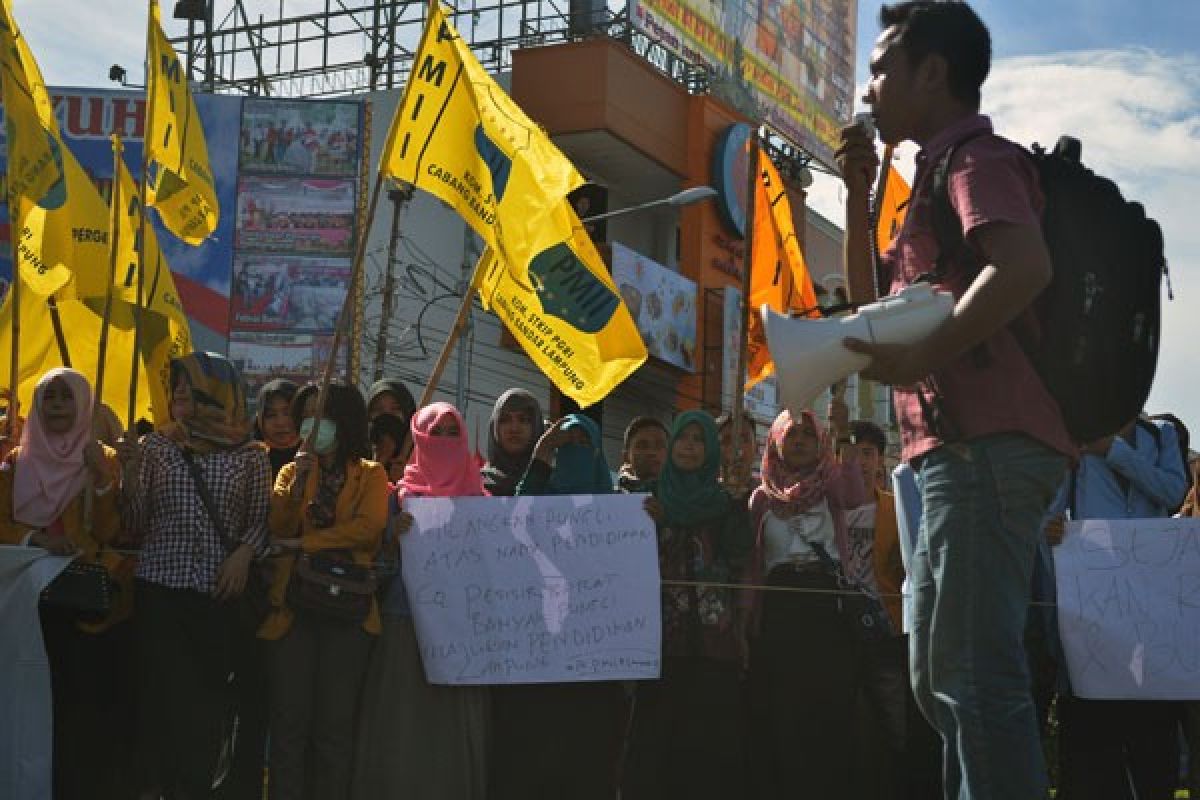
[284,293]
[86,118]
[662,303]
[262,357]
[788,64]
[299,138]
[308,216]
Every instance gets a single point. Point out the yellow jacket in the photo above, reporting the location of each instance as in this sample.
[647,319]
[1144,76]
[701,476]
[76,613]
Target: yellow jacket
[92,544]
[360,516]
[889,565]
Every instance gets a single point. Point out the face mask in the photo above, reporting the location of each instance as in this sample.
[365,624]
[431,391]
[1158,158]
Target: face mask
[326,439]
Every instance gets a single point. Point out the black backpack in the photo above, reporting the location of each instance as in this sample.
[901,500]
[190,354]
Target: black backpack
[1100,315]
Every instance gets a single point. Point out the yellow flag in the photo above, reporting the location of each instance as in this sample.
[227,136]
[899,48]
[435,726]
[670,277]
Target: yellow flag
[892,208]
[458,136]
[58,218]
[180,183]
[165,330]
[568,316]
[778,275]
[82,322]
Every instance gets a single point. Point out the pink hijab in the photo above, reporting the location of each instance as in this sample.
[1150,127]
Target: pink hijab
[440,466]
[50,471]
[791,491]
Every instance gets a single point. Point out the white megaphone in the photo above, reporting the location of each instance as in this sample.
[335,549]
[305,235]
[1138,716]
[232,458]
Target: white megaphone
[809,355]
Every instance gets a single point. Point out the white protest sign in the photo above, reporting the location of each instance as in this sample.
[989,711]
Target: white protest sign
[1129,608]
[534,589]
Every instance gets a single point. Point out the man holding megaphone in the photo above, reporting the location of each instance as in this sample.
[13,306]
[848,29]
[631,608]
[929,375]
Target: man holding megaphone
[981,431]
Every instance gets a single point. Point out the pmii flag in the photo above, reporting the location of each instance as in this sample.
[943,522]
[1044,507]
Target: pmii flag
[778,274]
[165,331]
[566,312]
[59,226]
[458,136]
[180,182]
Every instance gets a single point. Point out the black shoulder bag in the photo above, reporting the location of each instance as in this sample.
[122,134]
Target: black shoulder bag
[860,607]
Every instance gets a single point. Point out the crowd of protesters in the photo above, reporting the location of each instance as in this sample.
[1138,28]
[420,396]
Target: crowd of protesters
[771,690]
[822,637]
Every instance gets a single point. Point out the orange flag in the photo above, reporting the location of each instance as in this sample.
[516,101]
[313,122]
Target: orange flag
[892,209]
[778,276]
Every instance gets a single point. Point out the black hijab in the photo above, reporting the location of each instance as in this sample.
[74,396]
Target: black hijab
[396,389]
[503,470]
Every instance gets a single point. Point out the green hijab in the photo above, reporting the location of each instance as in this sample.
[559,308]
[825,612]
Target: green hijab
[695,496]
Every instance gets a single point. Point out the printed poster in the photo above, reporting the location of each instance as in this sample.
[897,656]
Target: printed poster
[299,137]
[262,357]
[307,216]
[662,303]
[283,293]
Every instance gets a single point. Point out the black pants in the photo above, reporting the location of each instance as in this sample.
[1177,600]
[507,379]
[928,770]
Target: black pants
[184,698]
[1105,746]
[687,740]
[251,698]
[316,675]
[883,721]
[92,685]
[803,680]
[555,741]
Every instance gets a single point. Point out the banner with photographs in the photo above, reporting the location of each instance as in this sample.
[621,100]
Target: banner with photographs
[300,138]
[307,216]
[262,357]
[282,293]
[662,303]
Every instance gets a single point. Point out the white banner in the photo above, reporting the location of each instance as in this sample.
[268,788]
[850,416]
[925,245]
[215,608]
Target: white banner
[1129,608]
[25,703]
[534,589]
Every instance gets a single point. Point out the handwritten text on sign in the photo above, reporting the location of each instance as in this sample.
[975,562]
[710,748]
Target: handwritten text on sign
[534,589]
[1129,608]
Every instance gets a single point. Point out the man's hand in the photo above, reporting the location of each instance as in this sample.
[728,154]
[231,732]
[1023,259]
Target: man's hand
[839,415]
[856,158]
[554,438]
[231,577]
[893,364]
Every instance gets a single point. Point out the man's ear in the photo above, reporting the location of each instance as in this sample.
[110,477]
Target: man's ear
[933,73]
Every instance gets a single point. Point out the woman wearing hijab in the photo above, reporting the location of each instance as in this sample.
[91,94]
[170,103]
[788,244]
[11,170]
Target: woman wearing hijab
[42,485]
[330,502]
[193,562]
[273,423]
[572,728]
[515,427]
[415,739]
[686,739]
[803,664]
[390,397]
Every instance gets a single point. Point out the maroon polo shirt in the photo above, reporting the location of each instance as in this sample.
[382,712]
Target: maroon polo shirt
[992,388]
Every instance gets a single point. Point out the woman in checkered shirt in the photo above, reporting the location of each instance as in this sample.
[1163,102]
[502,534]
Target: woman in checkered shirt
[194,562]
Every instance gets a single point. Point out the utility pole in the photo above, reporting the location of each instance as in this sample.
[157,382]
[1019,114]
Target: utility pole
[399,198]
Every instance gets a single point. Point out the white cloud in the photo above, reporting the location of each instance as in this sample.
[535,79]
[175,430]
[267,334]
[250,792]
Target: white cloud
[1137,113]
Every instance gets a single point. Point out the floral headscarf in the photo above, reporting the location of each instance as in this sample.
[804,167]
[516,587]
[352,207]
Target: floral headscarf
[219,419]
[790,491]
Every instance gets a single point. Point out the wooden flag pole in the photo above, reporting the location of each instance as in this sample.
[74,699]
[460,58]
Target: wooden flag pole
[739,381]
[14,295]
[360,252]
[141,243]
[456,332]
[113,251]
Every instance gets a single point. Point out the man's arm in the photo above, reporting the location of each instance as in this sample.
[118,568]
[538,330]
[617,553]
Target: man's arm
[1018,268]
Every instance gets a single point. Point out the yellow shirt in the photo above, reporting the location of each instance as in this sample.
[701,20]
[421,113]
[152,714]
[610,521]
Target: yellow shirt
[360,516]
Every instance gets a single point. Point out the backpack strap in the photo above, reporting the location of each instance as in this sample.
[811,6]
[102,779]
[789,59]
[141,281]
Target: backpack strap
[947,226]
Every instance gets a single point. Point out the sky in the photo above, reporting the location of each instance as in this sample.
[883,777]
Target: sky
[1122,75]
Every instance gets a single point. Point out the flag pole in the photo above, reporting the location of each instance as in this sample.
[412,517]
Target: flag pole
[360,252]
[14,295]
[141,243]
[114,249]
[739,381]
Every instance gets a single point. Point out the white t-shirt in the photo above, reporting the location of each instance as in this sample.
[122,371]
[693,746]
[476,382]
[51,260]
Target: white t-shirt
[787,540]
[860,533]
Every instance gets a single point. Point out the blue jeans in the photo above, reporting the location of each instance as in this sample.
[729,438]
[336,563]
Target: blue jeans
[971,576]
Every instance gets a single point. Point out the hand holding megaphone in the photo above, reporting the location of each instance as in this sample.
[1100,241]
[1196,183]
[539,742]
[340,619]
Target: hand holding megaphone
[856,156]
[810,355]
